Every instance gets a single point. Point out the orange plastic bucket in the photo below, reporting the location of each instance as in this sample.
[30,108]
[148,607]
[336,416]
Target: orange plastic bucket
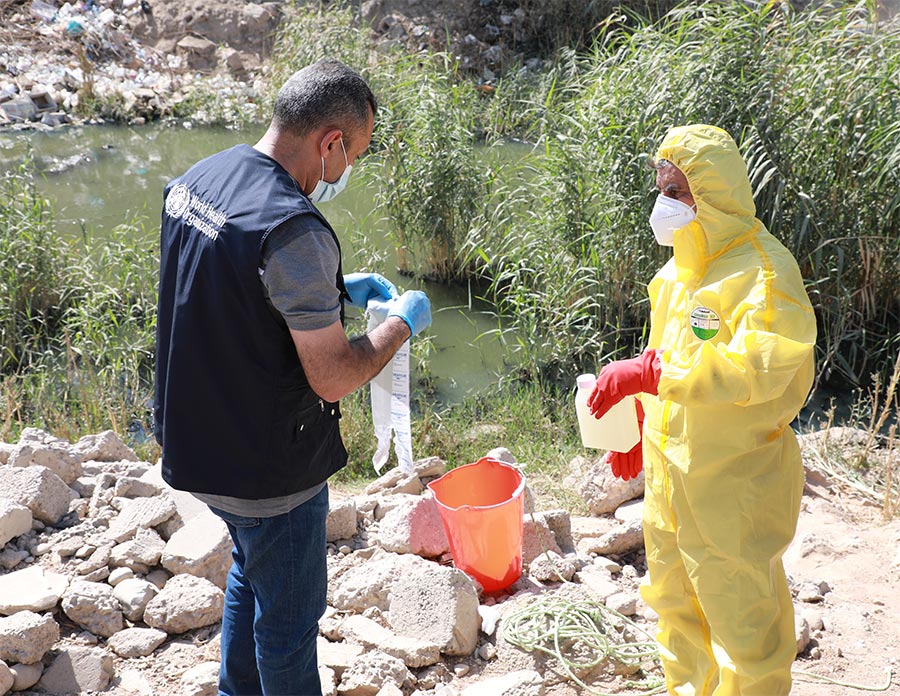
[481,506]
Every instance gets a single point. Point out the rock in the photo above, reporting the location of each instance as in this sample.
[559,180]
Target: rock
[338,656]
[414,653]
[136,642]
[501,454]
[369,585]
[143,551]
[98,559]
[623,602]
[632,510]
[131,487]
[93,606]
[537,539]
[15,520]
[38,489]
[371,672]
[430,467]
[140,512]
[78,670]
[6,449]
[19,109]
[801,632]
[328,681]
[202,548]
[597,581]
[103,447]
[55,456]
[133,596]
[519,683]
[551,567]
[201,680]
[185,602]
[6,678]
[602,491]
[200,53]
[26,676]
[622,539]
[341,520]
[31,589]
[560,523]
[26,636]
[414,527]
[10,558]
[118,575]
[438,605]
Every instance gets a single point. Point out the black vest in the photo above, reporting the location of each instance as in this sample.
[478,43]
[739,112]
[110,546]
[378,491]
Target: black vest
[235,414]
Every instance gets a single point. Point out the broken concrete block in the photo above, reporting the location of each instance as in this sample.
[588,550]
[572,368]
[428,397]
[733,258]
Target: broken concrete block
[103,447]
[341,521]
[15,520]
[370,672]
[413,652]
[31,589]
[185,602]
[38,489]
[94,607]
[414,527]
[438,605]
[26,636]
[136,642]
[202,547]
[78,670]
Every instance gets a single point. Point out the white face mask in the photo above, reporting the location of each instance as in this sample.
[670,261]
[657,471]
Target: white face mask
[326,190]
[669,215]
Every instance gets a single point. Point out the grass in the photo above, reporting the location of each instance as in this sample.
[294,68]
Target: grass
[556,236]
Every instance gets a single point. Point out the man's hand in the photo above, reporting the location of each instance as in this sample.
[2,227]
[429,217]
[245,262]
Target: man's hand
[414,308]
[627,465]
[623,378]
[362,287]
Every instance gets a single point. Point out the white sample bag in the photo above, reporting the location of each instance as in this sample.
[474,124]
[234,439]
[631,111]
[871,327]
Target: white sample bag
[390,399]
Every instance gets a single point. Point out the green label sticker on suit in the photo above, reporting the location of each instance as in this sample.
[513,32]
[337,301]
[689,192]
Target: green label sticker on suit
[704,323]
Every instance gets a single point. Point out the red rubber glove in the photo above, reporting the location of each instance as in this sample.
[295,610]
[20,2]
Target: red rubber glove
[623,378]
[627,465]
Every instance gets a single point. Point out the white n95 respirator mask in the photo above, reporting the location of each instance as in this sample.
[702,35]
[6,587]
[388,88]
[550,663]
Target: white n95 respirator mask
[668,215]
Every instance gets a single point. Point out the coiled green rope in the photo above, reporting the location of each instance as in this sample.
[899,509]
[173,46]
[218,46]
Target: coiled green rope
[568,627]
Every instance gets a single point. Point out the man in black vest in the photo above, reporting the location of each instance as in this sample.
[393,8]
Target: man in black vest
[252,359]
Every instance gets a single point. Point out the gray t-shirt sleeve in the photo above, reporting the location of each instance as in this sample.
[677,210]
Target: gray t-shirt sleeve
[299,267]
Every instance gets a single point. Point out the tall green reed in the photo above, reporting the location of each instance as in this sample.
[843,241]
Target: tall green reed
[811,98]
[77,324]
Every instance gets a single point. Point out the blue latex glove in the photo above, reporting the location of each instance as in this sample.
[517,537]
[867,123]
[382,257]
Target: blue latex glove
[362,287]
[414,308]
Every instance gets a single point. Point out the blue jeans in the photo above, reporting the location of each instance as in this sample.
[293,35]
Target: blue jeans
[274,598]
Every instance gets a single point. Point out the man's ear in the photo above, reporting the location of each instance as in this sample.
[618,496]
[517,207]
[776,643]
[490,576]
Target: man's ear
[330,140]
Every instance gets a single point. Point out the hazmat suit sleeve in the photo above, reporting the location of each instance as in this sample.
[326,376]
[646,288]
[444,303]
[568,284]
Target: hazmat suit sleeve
[773,334]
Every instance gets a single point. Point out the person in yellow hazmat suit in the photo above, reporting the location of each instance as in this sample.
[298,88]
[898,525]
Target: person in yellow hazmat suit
[729,365]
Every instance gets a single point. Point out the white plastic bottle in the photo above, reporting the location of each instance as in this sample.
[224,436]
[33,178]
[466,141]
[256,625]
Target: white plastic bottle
[617,430]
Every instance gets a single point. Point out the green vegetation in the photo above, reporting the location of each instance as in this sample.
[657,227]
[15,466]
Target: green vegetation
[556,237]
[76,324]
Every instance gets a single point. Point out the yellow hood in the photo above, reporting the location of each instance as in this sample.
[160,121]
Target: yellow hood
[717,175]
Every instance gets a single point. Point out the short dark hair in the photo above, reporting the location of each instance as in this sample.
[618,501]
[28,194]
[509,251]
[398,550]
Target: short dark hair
[324,93]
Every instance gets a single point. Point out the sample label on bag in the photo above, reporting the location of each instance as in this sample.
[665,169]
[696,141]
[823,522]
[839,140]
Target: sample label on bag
[704,323]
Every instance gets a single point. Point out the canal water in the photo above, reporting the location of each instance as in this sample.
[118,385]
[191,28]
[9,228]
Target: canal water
[99,177]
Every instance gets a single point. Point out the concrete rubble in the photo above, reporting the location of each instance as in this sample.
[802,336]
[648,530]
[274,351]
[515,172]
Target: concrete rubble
[113,568]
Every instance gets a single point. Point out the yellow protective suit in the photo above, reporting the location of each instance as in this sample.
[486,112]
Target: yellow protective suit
[722,465]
